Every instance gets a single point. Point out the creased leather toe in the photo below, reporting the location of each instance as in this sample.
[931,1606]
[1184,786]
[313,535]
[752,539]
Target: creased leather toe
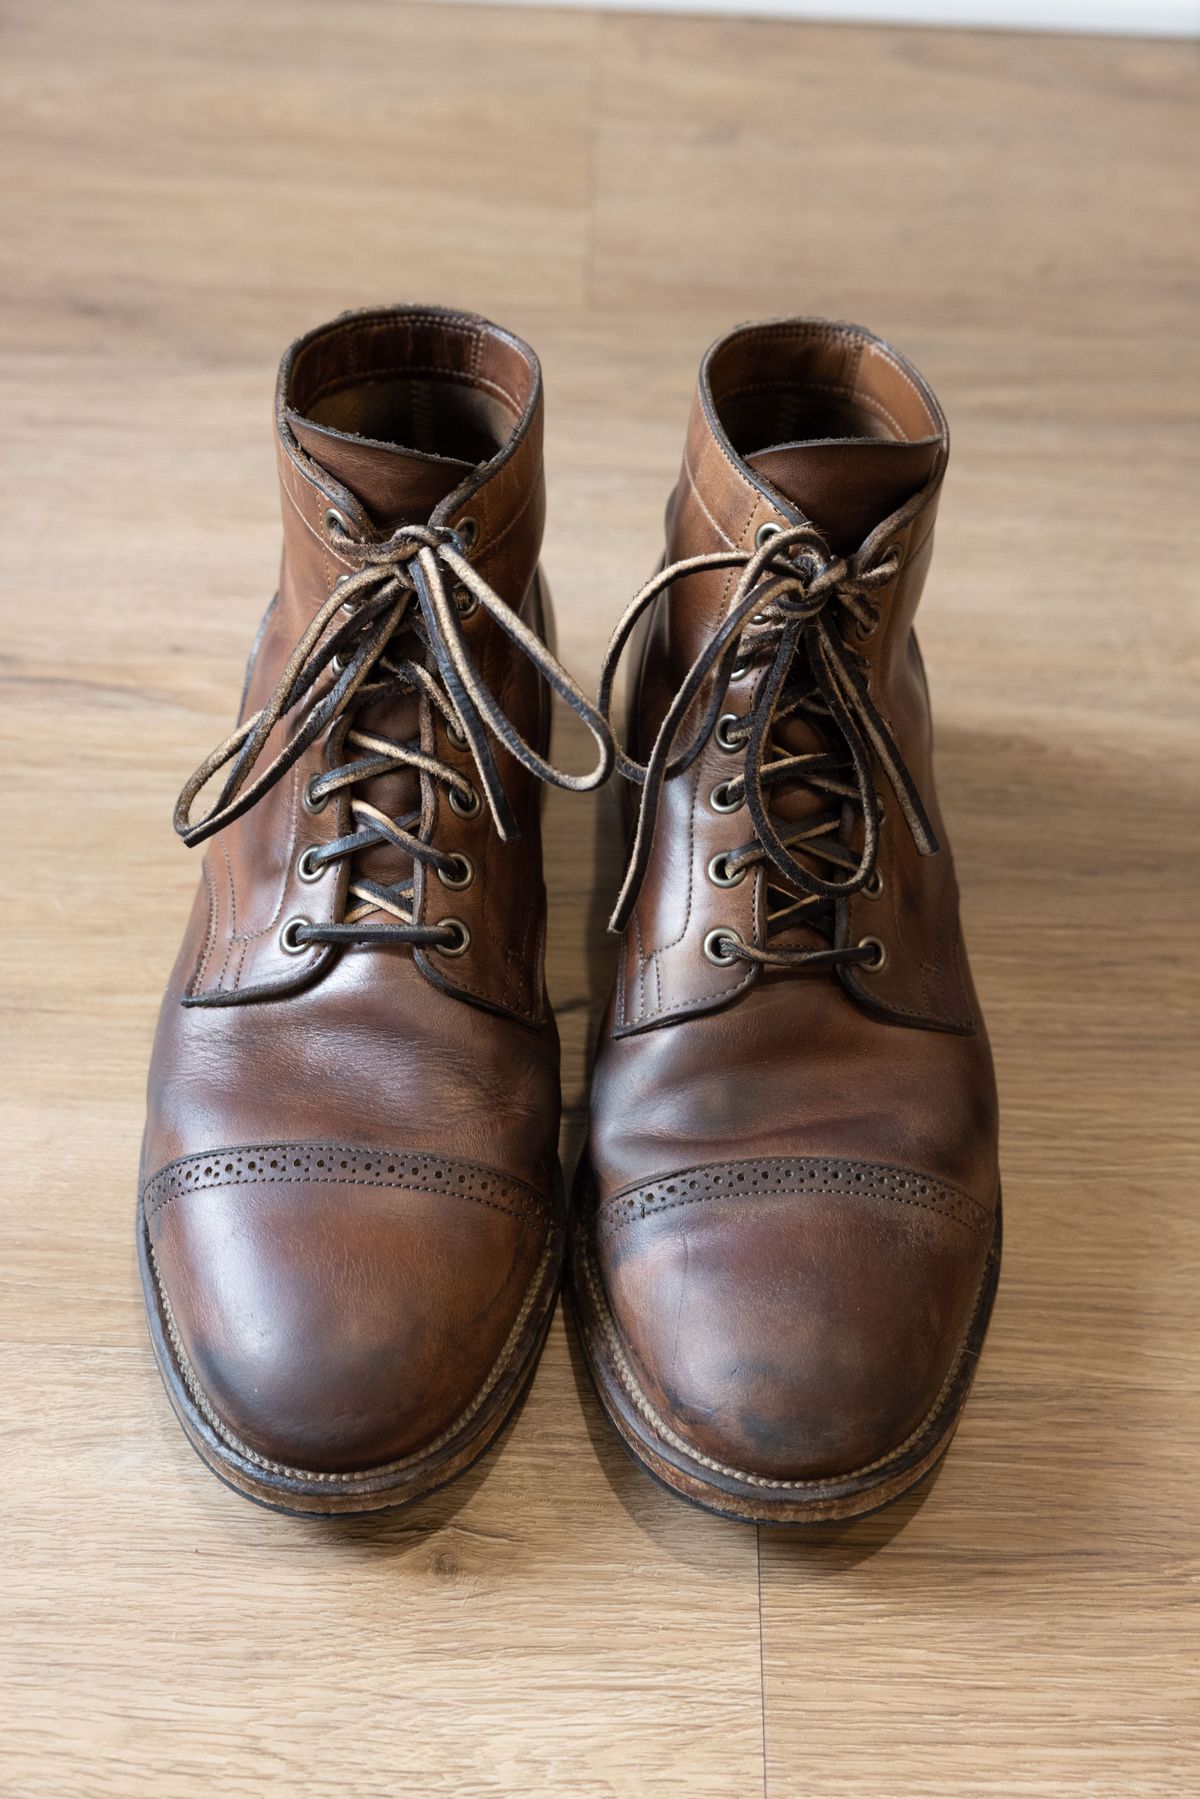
[338,1309]
[792,1318]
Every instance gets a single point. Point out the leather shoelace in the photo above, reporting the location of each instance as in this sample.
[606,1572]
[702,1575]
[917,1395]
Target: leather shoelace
[792,602]
[403,584]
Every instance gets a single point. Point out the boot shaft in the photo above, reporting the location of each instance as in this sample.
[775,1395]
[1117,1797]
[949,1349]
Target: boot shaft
[796,422]
[404,417]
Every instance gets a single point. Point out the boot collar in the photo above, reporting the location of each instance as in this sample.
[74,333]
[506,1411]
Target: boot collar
[814,422]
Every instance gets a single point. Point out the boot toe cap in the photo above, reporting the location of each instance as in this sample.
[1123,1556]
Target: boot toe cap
[333,1310]
[792,1320]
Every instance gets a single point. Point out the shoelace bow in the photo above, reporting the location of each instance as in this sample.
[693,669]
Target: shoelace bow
[784,611]
[399,586]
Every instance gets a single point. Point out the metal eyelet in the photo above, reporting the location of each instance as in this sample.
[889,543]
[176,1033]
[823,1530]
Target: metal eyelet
[719,798]
[738,673]
[467,533]
[307,867]
[880,955]
[351,605]
[465,803]
[337,524]
[719,875]
[287,937]
[461,876]
[465,603]
[462,937]
[729,721]
[712,946]
[873,885]
[311,802]
[457,736]
[765,532]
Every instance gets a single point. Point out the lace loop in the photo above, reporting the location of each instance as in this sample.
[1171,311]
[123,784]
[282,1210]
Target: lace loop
[789,590]
[403,583]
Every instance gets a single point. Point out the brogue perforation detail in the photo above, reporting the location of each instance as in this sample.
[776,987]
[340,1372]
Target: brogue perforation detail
[340,1164]
[801,1176]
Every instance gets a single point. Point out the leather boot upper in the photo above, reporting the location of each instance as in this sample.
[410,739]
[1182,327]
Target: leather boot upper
[791,1173]
[350,1169]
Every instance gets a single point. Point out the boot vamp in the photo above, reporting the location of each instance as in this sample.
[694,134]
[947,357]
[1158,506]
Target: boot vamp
[370,1054]
[795,1068]
[793,1209]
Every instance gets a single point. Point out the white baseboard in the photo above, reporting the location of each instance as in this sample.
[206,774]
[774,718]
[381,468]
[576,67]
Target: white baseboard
[1136,18]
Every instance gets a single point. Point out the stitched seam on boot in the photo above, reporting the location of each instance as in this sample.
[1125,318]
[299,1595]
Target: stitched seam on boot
[876,1180]
[801,330]
[241,1167]
[867,401]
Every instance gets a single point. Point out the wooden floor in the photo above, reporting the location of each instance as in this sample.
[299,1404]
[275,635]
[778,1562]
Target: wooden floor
[187,187]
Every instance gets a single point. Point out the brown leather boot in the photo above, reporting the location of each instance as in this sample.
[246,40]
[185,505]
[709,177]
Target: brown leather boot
[788,1228]
[351,1218]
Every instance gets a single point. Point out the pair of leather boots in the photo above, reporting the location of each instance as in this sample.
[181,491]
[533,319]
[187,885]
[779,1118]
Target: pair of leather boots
[785,1235]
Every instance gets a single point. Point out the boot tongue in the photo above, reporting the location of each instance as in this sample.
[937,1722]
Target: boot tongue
[398,486]
[847,485]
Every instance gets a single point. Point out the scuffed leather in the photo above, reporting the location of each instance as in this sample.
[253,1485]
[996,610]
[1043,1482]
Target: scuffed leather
[355,1273]
[789,1191]
[341,1317]
[770,1361]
